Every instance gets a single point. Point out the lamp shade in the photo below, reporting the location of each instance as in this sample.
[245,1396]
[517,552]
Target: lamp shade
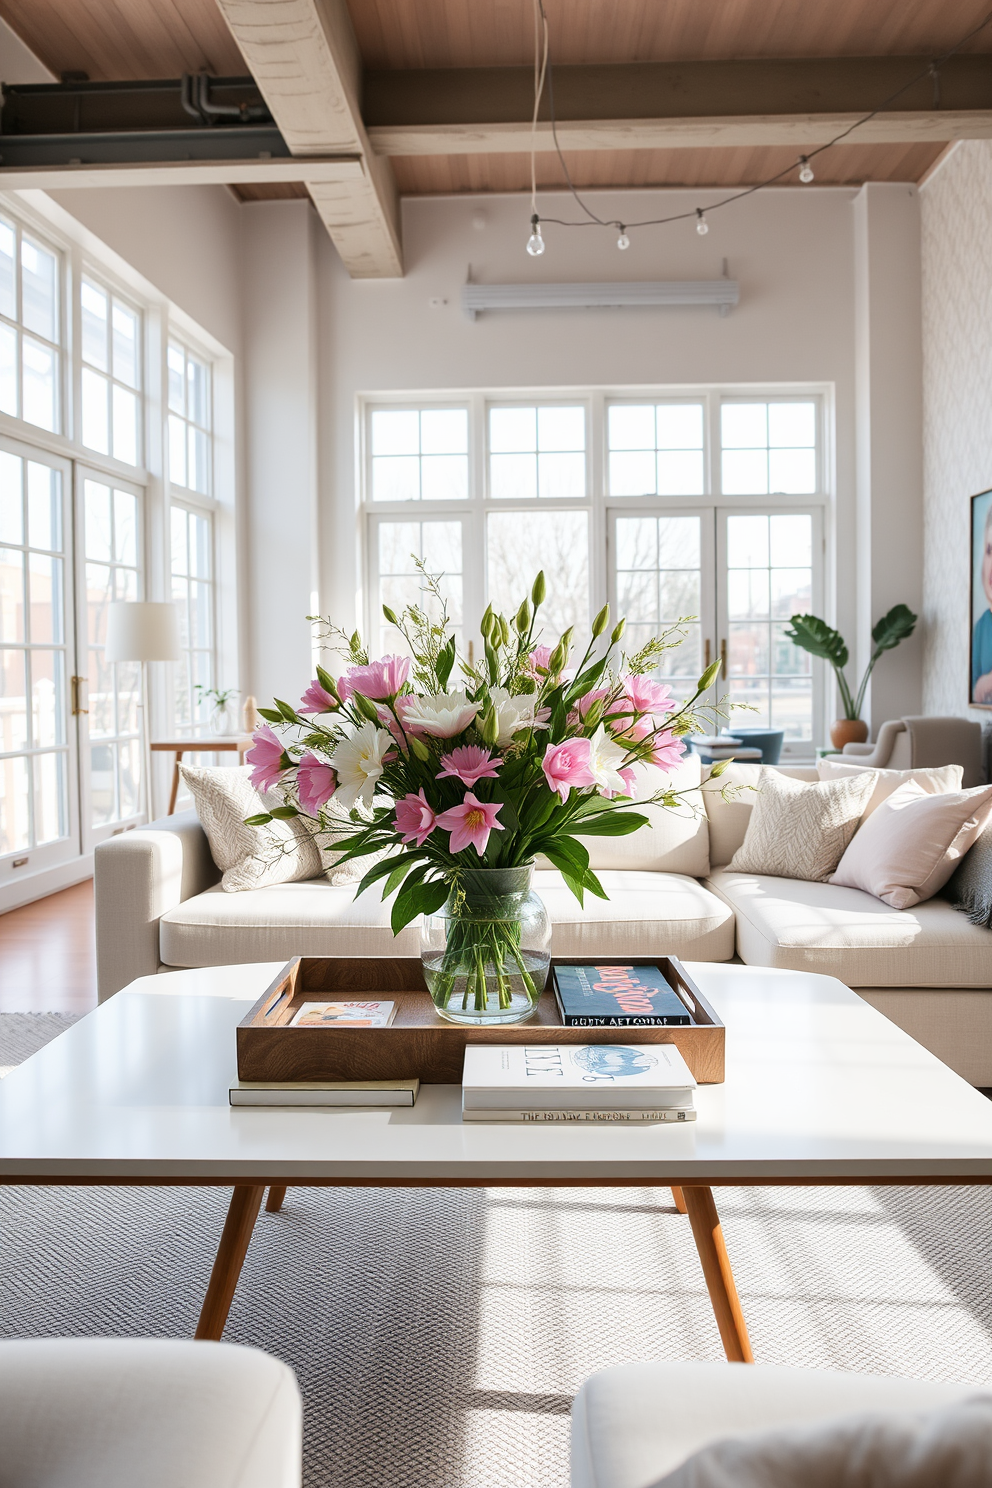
[142,631]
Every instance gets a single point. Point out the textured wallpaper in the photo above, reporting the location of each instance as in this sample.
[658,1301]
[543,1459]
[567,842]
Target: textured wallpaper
[956,208]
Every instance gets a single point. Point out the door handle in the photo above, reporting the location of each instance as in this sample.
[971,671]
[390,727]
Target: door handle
[706,653]
[78,684]
[723,660]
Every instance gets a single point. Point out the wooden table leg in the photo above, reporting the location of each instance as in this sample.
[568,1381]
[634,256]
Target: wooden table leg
[274,1202]
[240,1221]
[175,784]
[679,1200]
[708,1235]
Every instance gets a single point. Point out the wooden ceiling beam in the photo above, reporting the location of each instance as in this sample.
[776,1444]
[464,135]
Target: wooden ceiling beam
[341,172]
[801,102]
[304,58]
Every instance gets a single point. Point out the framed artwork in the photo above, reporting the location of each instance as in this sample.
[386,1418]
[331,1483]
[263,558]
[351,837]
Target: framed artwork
[980,675]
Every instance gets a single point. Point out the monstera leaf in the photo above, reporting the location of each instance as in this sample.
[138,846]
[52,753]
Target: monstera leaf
[819,638]
[893,628]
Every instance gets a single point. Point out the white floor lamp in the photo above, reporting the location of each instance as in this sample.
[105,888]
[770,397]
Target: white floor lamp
[143,630]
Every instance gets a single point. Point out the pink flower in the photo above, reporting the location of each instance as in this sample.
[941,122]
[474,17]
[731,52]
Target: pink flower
[567,764]
[470,823]
[316,783]
[316,699]
[415,819]
[666,750]
[647,696]
[577,715]
[380,679]
[537,663]
[268,757]
[469,764]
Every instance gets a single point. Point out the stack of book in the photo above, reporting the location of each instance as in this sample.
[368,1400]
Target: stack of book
[605,1084]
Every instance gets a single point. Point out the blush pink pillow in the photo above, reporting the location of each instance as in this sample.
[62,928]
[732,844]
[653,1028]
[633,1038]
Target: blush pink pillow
[912,842]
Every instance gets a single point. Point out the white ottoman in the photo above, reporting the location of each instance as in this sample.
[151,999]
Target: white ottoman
[633,1424]
[146,1413]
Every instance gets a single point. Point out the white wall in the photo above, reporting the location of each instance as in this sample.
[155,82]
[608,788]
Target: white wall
[795,254]
[957,346]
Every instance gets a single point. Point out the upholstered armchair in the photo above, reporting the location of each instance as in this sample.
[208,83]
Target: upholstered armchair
[914,743]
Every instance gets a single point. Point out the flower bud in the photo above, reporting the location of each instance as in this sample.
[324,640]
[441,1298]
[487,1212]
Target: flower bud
[486,623]
[522,619]
[419,748]
[390,615]
[556,660]
[366,707]
[504,631]
[490,726]
[593,714]
[328,683]
[539,591]
[601,621]
[618,631]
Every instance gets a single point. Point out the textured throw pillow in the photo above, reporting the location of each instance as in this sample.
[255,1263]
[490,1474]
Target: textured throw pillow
[911,845]
[936,781]
[249,857]
[798,830]
[947,1448]
[970,886]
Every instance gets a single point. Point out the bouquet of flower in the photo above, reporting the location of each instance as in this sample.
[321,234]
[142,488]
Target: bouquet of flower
[462,772]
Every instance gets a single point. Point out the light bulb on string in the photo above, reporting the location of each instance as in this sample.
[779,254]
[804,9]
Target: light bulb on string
[805,170]
[623,241]
[535,243]
[702,226]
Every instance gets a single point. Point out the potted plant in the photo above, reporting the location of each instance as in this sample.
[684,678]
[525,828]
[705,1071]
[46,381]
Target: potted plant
[820,639]
[454,775]
[219,701]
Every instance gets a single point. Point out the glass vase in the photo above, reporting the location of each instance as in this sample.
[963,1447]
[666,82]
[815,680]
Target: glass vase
[486,952]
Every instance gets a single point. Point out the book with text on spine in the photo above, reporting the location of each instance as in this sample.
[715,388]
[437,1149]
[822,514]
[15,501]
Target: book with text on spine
[303,1093]
[617,995]
[583,1118]
[575,1077]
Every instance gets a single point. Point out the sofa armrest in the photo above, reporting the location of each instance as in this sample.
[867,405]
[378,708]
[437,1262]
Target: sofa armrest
[858,749]
[137,878]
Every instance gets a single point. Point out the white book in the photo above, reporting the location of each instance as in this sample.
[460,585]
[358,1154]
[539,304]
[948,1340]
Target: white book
[584,1118]
[324,1093]
[572,1077]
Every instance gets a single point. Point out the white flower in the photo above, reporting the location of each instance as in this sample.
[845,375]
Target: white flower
[358,761]
[442,714]
[515,713]
[606,758]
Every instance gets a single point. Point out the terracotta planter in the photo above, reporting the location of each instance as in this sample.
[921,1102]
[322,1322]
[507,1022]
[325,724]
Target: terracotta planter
[848,731]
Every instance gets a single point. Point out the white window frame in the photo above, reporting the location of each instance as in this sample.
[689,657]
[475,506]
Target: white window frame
[87,270]
[190,353]
[602,506]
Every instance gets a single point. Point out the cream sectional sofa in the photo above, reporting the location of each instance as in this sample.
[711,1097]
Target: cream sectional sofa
[159,906]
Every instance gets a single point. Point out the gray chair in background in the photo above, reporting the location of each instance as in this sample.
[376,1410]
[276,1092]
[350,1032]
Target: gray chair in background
[915,743]
[146,1413]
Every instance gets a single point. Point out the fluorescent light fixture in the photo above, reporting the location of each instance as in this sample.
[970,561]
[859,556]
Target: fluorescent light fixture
[723,293]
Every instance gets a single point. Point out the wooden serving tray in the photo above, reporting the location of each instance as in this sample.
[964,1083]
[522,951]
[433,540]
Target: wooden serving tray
[420,1045]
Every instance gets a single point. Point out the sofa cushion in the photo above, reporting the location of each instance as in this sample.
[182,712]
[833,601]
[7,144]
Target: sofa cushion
[647,913]
[730,800]
[799,829]
[853,936]
[677,838]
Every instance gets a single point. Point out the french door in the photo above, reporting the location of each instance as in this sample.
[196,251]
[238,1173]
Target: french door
[742,572]
[38,742]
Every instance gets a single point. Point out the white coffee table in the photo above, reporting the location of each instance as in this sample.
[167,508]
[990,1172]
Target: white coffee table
[820,1088]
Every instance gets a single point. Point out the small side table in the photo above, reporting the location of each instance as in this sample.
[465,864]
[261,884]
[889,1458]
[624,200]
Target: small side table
[179,747]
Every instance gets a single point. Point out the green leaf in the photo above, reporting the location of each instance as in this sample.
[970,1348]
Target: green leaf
[894,627]
[284,813]
[575,885]
[608,824]
[586,680]
[395,878]
[270,715]
[567,855]
[384,870]
[286,712]
[262,820]
[414,899]
[818,638]
[445,661]
[592,883]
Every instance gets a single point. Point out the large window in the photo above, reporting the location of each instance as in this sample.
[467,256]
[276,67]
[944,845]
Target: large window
[703,505]
[30,328]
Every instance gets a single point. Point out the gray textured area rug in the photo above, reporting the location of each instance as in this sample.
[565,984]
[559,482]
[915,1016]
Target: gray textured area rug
[439,1336]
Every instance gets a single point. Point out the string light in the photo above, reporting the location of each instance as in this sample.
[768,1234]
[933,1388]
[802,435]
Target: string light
[544,73]
[535,243]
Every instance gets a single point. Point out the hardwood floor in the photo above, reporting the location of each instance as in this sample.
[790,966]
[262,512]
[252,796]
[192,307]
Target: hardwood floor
[48,956]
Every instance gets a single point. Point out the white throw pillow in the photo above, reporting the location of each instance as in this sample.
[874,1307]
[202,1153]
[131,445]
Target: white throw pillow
[936,781]
[798,830]
[249,857]
[911,845]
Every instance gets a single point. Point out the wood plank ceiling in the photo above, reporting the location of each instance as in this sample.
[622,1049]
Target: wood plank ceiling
[117,39]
